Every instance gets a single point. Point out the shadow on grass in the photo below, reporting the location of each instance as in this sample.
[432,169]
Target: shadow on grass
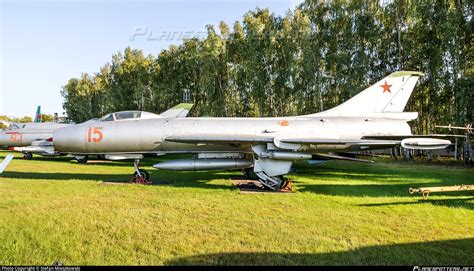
[183,179]
[381,180]
[454,202]
[449,252]
[149,160]
[382,173]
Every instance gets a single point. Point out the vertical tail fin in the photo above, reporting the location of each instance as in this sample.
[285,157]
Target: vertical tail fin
[179,111]
[38,114]
[389,95]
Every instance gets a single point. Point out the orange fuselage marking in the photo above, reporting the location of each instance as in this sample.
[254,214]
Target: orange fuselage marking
[15,136]
[95,134]
[386,87]
[283,123]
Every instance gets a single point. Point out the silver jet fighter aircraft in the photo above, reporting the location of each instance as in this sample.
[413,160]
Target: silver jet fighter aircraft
[372,119]
[36,137]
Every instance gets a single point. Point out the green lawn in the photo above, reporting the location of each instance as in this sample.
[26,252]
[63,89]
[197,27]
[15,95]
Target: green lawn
[342,213]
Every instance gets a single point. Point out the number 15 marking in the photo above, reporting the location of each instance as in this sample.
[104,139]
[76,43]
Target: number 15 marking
[94,134]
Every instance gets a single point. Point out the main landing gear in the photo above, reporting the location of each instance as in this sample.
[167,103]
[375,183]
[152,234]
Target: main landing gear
[275,183]
[270,165]
[140,176]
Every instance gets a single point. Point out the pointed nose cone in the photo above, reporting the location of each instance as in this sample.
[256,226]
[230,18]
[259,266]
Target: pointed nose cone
[69,139]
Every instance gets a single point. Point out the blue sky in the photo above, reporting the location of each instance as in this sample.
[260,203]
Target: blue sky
[44,43]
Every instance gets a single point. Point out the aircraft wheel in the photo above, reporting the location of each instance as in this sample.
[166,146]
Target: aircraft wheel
[28,155]
[145,174]
[250,174]
[82,160]
[285,184]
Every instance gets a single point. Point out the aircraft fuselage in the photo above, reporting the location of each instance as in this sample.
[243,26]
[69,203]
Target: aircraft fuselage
[29,133]
[148,136]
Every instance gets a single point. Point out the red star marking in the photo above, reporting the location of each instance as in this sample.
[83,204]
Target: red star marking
[386,87]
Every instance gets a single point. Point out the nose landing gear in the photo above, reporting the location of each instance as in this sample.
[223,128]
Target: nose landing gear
[27,155]
[82,159]
[140,176]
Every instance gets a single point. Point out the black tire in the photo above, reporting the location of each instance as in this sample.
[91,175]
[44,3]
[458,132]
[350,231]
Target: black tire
[250,174]
[83,160]
[283,184]
[144,174]
[28,156]
[101,156]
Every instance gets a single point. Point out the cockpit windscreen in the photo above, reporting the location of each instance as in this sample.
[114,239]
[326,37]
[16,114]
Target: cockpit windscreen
[122,115]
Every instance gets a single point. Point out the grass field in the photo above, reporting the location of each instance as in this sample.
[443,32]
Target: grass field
[342,213]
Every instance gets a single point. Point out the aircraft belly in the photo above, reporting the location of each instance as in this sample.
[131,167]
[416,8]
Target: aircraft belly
[198,148]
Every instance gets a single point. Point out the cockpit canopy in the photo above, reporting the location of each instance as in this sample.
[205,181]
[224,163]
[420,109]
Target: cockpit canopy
[15,126]
[126,115]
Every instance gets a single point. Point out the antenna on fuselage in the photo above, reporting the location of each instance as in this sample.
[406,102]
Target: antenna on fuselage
[186,96]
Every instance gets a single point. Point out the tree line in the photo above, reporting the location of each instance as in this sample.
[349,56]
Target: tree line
[313,58]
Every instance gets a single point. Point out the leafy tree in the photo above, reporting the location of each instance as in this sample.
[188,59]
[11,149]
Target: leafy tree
[313,58]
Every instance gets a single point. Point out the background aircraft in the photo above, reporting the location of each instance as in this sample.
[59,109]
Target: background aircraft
[372,119]
[15,125]
[31,137]
[38,114]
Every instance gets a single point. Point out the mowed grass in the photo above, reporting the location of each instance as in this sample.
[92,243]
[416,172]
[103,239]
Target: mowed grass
[341,213]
